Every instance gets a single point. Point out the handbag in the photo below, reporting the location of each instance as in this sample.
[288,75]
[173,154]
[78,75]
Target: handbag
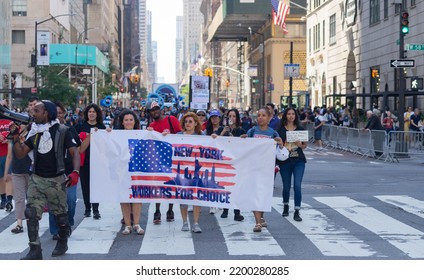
[282,154]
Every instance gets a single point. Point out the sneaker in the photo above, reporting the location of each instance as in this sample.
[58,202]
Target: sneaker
[296,216]
[9,206]
[55,237]
[196,228]
[257,228]
[170,216]
[285,211]
[185,227]
[137,229]
[96,215]
[2,204]
[87,213]
[156,218]
[17,229]
[126,231]
[212,210]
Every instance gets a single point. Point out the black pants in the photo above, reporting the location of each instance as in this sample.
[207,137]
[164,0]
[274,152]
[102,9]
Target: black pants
[85,186]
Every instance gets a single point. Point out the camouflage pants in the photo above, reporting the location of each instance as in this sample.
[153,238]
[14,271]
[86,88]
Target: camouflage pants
[42,191]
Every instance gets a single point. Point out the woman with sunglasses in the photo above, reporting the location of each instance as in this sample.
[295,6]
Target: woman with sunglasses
[190,125]
[202,119]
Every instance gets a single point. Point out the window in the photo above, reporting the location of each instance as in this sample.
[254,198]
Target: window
[318,37]
[386,9]
[18,36]
[332,38]
[374,11]
[404,5]
[412,3]
[323,33]
[19,8]
[309,41]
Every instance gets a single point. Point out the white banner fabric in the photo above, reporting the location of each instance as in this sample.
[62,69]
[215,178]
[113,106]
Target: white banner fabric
[145,166]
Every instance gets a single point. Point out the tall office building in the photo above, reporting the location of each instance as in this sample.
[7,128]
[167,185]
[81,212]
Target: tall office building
[179,39]
[5,43]
[193,20]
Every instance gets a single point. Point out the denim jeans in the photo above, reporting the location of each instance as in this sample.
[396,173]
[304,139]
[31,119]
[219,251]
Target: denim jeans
[295,168]
[71,199]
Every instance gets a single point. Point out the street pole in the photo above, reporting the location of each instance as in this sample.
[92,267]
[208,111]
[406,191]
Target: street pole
[291,78]
[402,81]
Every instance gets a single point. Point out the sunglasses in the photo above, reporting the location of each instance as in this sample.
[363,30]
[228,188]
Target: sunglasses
[201,115]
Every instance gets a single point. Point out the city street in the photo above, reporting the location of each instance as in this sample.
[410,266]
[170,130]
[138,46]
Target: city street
[352,209]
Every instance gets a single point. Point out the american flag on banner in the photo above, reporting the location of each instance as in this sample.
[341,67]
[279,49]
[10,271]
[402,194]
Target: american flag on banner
[279,12]
[158,163]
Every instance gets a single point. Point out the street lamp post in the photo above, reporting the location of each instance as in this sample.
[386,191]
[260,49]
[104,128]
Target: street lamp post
[36,45]
[262,94]
[76,49]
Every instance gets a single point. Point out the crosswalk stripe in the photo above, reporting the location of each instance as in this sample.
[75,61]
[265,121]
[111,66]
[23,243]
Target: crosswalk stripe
[17,243]
[167,237]
[331,239]
[96,236]
[407,203]
[241,240]
[400,235]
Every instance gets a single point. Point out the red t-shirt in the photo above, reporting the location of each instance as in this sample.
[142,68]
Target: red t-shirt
[4,130]
[163,125]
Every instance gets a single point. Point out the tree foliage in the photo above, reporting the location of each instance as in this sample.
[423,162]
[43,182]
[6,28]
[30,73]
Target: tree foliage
[56,86]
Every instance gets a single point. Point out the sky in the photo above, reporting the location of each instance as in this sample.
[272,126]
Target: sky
[164,13]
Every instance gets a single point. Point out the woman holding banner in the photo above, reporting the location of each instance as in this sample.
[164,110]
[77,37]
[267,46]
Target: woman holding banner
[262,130]
[294,165]
[131,211]
[232,127]
[190,125]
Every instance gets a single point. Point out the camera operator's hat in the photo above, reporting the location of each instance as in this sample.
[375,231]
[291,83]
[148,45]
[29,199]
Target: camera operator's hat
[215,113]
[152,104]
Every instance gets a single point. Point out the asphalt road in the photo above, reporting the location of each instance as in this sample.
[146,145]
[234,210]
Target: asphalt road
[352,209]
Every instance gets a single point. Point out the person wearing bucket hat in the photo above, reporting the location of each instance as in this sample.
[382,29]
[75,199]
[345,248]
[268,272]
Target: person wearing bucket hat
[162,124]
[48,140]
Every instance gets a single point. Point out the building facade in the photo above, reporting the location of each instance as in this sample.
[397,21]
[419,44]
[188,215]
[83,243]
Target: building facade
[350,49]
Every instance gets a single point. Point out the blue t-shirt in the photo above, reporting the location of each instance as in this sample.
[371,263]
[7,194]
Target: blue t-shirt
[256,132]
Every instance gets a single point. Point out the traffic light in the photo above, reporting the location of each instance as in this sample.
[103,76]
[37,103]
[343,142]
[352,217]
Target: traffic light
[227,83]
[404,24]
[136,79]
[208,72]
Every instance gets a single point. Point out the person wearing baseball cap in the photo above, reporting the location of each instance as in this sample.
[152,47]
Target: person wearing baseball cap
[161,124]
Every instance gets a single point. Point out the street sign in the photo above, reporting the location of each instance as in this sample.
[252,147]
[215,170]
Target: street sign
[416,83]
[414,47]
[291,70]
[402,63]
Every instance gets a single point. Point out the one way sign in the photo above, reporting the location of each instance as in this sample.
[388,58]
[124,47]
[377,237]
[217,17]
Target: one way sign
[402,63]
[416,83]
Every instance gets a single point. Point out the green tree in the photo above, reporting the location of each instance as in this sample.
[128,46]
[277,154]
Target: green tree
[56,86]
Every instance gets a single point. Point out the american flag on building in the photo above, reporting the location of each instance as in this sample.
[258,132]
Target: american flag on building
[279,12]
[158,163]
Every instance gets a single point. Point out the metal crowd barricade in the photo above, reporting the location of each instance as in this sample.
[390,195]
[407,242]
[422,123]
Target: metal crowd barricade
[310,128]
[402,144]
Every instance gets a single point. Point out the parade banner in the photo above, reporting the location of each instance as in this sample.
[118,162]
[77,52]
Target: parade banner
[43,46]
[145,166]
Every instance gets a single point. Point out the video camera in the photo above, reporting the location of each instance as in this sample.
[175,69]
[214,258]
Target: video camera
[17,118]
